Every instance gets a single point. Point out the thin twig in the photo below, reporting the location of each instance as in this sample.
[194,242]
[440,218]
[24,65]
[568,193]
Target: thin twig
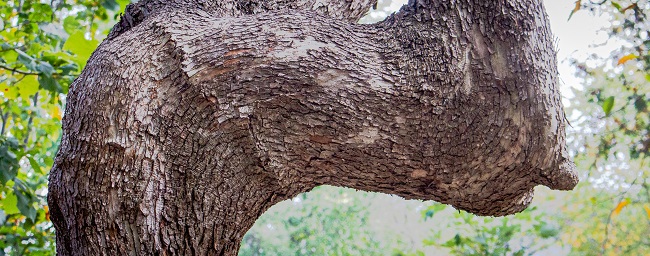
[17,70]
[10,49]
[609,218]
[5,117]
[30,121]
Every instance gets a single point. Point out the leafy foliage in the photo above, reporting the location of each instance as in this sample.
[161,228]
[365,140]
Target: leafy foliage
[315,223]
[608,211]
[461,233]
[43,46]
[523,234]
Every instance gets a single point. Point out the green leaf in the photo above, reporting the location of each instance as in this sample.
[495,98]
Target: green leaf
[71,25]
[45,68]
[9,204]
[49,83]
[608,104]
[25,201]
[458,240]
[8,160]
[28,86]
[41,13]
[68,69]
[48,161]
[616,5]
[111,5]
[640,104]
[26,60]
[8,92]
[9,56]
[35,165]
[123,4]
[546,230]
[5,46]
[429,242]
[29,223]
[432,210]
[293,221]
[428,214]
[80,46]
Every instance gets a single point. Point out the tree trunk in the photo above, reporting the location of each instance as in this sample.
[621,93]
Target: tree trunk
[193,118]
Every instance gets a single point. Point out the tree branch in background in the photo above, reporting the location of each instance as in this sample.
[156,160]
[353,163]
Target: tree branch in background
[17,70]
[5,117]
[30,120]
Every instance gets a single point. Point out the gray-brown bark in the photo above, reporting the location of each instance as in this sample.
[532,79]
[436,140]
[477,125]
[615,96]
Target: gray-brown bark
[193,118]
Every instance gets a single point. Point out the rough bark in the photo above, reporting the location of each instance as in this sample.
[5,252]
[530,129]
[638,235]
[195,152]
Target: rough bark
[195,117]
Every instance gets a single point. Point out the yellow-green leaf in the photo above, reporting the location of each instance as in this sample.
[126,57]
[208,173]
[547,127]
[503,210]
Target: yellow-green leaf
[647,210]
[9,92]
[8,204]
[80,46]
[27,86]
[71,24]
[608,104]
[35,165]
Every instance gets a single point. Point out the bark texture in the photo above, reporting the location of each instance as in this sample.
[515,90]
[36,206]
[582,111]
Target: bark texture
[194,117]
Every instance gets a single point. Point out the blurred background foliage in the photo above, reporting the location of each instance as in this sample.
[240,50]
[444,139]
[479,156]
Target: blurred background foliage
[45,44]
[609,214]
[43,47]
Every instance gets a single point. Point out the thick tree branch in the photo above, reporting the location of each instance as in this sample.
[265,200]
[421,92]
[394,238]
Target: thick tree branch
[191,122]
[351,10]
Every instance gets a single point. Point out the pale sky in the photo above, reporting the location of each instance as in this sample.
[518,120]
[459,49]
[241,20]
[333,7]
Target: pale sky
[576,38]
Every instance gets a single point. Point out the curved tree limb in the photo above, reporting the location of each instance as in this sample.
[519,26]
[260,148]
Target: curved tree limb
[189,122]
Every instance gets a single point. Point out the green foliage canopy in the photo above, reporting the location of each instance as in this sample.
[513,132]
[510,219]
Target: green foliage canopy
[43,47]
